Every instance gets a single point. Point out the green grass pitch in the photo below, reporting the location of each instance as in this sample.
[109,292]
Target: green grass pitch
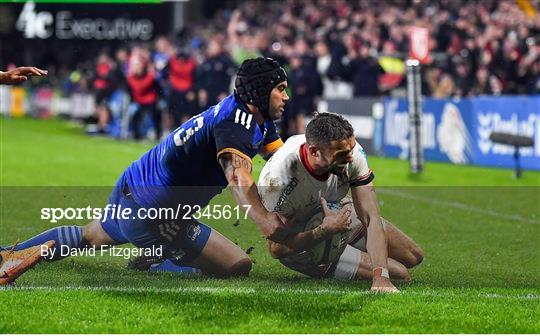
[479,228]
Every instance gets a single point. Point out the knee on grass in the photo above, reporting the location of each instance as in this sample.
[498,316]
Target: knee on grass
[400,272]
[413,257]
[240,268]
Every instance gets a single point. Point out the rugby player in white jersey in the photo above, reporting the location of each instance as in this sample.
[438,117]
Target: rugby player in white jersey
[305,173]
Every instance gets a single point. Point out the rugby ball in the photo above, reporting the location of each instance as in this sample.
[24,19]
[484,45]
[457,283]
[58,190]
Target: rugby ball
[329,250]
[317,260]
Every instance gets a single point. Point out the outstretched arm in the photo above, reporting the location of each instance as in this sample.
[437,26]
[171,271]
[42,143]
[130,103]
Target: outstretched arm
[237,169]
[232,35]
[20,74]
[365,204]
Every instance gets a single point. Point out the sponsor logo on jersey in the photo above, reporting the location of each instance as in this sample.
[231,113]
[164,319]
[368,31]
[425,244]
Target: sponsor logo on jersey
[286,192]
[243,118]
[193,231]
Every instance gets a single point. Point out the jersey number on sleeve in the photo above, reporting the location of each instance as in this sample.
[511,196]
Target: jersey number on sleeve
[183,135]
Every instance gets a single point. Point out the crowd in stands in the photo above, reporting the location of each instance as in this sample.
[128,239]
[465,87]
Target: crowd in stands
[478,47]
[330,48]
[168,84]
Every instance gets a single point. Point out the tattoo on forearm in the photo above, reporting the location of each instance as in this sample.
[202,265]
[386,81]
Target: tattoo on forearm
[240,162]
[230,162]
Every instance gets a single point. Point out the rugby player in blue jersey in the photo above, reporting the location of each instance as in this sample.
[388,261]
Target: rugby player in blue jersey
[192,165]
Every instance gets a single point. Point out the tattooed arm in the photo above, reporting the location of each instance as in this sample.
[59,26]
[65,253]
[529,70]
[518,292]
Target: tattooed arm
[237,168]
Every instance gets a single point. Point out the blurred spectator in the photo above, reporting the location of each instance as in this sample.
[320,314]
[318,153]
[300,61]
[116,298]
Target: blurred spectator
[528,71]
[332,87]
[103,87]
[303,85]
[214,74]
[162,51]
[482,84]
[121,68]
[364,71]
[160,57]
[242,42]
[431,78]
[182,99]
[268,49]
[75,83]
[144,88]
[464,80]
[445,87]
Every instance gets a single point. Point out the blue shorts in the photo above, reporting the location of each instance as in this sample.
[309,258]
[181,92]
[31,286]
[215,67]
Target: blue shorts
[181,238]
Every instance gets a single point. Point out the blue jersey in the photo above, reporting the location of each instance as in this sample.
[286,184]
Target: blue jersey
[188,156]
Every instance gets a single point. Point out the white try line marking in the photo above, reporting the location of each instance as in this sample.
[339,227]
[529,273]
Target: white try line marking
[251,290]
[458,205]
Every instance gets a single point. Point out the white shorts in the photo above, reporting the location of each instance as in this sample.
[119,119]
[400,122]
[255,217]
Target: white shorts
[348,263]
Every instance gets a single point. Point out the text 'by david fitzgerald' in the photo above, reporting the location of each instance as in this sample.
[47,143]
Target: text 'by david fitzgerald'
[104,250]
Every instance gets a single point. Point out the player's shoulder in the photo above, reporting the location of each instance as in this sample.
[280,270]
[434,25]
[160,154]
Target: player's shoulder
[284,163]
[232,111]
[359,151]
[359,171]
[359,155]
[292,145]
[290,151]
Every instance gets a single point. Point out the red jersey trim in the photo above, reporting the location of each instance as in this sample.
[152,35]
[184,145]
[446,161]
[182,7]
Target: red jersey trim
[305,162]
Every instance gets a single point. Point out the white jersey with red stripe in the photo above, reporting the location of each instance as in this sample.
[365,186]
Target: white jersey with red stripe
[288,186]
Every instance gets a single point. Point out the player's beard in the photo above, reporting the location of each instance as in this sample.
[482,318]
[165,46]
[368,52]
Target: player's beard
[334,168]
[338,169]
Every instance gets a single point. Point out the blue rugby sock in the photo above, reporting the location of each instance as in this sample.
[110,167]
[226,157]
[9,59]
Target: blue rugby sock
[168,265]
[70,236]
